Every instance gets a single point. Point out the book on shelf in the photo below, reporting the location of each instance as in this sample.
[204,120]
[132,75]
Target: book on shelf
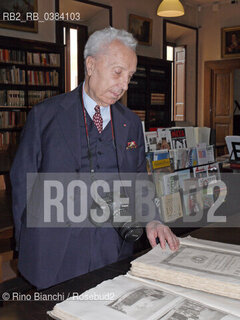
[183,175]
[35,97]
[200,172]
[8,138]
[43,59]
[160,159]
[12,75]
[44,78]
[178,138]
[145,293]
[180,158]
[210,153]
[202,135]
[171,207]
[141,114]
[202,154]
[192,157]
[163,139]
[192,197]
[12,56]
[151,140]
[12,119]
[158,98]
[170,183]
[12,98]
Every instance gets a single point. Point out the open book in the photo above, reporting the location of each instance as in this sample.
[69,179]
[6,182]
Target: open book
[199,264]
[128,297]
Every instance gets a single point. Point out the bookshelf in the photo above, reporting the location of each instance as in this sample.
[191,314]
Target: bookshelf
[149,92]
[30,71]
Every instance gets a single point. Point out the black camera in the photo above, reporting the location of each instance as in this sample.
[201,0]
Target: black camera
[129,230]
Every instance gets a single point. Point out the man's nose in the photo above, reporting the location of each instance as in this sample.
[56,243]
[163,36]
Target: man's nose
[125,82]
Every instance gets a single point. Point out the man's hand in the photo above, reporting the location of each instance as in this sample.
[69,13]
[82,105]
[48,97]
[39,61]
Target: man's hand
[156,229]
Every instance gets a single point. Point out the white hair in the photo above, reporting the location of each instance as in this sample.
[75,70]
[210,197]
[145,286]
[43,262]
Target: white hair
[102,38]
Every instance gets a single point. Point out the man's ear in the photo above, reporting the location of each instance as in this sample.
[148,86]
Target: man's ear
[90,65]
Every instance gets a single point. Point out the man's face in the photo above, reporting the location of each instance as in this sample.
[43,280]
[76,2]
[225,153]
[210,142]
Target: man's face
[109,73]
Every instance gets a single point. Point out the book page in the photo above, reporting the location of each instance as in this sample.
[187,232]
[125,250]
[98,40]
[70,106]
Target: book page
[209,268]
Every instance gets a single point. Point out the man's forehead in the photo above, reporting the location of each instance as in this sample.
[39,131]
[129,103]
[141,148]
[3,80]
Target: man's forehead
[118,55]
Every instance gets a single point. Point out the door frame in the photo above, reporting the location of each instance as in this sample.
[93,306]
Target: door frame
[165,43]
[209,67]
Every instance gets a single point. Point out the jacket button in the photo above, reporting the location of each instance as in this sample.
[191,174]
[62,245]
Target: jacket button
[77,170]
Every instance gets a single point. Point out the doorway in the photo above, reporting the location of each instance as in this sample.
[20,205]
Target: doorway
[184,41]
[220,79]
[73,34]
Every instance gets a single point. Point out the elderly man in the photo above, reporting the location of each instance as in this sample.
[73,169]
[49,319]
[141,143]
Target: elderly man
[85,130]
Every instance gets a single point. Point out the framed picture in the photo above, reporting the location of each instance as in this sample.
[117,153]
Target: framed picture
[231,42]
[141,28]
[18,15]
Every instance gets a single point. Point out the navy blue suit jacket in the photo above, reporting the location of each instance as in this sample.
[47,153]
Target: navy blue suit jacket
[51,142]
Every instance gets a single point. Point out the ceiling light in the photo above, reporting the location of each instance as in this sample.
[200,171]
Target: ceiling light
[170,8]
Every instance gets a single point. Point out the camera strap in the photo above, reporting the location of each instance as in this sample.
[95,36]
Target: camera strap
[88,140]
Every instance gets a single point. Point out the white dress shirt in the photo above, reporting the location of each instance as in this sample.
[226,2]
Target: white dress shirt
[90,104]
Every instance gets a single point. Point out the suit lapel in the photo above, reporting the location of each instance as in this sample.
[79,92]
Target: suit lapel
[70,119]
[121,129]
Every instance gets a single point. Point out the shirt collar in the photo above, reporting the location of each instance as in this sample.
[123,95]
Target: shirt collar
[90,104]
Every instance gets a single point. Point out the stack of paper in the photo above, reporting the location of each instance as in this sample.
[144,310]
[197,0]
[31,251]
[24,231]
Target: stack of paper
[198,264]
[127,298]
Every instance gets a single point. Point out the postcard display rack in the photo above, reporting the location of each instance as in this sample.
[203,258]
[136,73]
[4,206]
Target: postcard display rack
[30,71]
[184,170]
[149,92]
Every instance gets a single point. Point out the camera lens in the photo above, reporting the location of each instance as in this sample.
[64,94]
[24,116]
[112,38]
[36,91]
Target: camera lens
[130,231]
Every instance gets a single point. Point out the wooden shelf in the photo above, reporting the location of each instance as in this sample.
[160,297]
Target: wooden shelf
[14,108]
[51,66]
[153,75]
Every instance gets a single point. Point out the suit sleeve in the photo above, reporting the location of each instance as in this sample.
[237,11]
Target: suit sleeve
[27,159]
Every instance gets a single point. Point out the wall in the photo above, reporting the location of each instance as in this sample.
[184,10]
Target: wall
[99,21]
[121,10]
[46,29]
[210,24]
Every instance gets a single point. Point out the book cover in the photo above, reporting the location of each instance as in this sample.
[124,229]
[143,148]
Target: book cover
[171,207]
[160,159]
[178,138]
[202,154]
[171,183]
[151,140]
[192,197]
[192,157]
[200,172]
[183,175]
[163,139]
[210,154]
